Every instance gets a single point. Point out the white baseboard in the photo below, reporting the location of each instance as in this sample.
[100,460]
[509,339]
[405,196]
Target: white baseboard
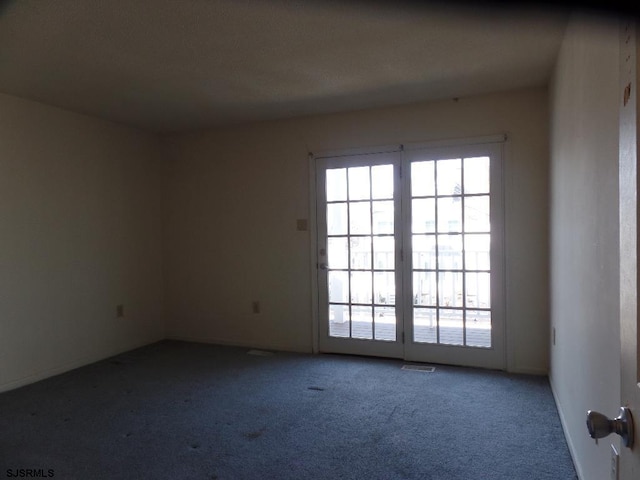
[236,343]
[67,366]
[572,450]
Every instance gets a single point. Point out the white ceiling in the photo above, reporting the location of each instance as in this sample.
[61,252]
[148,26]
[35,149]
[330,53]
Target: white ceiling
[172,65]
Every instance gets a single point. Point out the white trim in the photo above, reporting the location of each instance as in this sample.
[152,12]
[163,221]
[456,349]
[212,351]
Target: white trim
[72,365]
[509,335]
[313,258]
[565,430]
[506,350]
[350,152]
[238,343]
[392,148]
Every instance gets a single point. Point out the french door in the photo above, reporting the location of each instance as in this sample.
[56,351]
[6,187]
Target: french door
[410,254]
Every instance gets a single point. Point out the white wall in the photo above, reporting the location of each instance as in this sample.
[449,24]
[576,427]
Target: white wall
[234,195]
[585,361]
[80,232]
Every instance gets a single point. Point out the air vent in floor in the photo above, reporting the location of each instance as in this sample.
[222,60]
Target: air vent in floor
[419,368]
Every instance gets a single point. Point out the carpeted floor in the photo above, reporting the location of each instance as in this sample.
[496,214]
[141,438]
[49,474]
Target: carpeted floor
[176,410]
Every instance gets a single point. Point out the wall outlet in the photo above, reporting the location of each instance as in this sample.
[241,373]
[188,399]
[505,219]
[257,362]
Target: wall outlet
[255,306]
[615,463]
[120,311]
[302,225]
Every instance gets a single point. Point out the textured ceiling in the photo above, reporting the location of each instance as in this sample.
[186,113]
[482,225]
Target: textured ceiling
[172,65]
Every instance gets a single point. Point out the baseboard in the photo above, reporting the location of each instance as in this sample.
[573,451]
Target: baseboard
[572,450]
[235,343]
[68,366]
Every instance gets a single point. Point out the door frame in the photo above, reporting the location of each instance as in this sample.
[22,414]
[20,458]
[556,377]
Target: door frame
[388,148]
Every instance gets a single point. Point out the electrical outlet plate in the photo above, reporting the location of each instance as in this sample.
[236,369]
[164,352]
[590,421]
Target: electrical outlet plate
[302,225]
[615,463]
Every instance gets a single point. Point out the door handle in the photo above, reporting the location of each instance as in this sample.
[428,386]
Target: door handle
[323,266]
[600,426]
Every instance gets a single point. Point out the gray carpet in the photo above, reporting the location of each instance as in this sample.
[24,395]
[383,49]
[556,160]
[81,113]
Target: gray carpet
[176,410]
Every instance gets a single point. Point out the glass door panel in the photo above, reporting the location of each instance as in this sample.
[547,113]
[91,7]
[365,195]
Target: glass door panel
[358,247]
[453,225]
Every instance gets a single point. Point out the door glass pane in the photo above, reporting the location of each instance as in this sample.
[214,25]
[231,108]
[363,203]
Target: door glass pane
[360,253]
[337,219]
[338,287]
[359,183]
[384,253]
[449,177]
[424,252]
[450,252]
[423,215]
[450,291]
[478,328]
[383,215]
[451,326]
[360,218]
[384,284]
[425,325]
[336,184]
[449,214]
[337,252]
[477,252]
[476,175]
[361,287]
[425,289]
[478,290]
[339,320]
[385,323]
[382,181]
[476,214]
[423,179]
[362,322]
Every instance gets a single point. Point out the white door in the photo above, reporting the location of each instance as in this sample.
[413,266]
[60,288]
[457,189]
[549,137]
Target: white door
[410,254]
[453,296]
[629,241]
[358,214]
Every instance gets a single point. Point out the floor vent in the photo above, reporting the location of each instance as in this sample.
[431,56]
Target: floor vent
[419,368]
[260,353]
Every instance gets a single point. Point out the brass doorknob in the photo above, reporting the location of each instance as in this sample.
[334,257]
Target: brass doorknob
[600,426]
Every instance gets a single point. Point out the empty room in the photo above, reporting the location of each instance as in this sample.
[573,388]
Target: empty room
[317,239]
